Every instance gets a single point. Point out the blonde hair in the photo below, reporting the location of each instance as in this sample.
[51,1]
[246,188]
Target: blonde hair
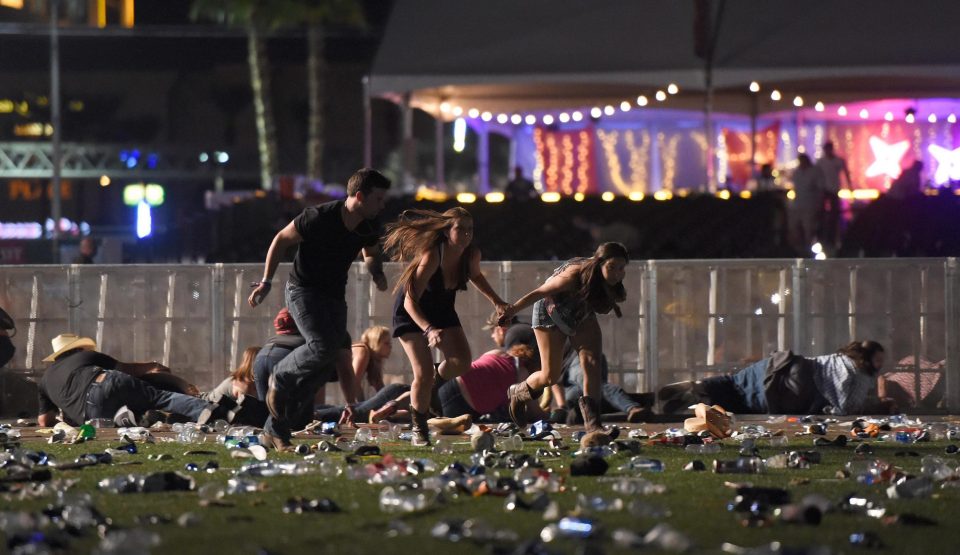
[244,372]
[372,336]
[418,231]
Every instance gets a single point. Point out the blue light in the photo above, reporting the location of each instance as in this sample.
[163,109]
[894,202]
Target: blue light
[131,162]
[152,159]
[144,220]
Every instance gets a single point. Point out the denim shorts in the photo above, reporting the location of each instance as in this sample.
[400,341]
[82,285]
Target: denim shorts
[558,316]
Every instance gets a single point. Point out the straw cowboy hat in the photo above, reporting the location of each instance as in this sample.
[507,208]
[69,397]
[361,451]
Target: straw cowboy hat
[69,341]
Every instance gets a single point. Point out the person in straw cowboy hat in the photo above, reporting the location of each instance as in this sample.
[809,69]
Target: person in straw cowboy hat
[85,384]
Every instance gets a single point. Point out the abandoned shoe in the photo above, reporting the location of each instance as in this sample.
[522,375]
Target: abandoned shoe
[590,408]
[594,439]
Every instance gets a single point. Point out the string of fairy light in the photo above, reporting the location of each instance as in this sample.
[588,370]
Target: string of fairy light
[556,156]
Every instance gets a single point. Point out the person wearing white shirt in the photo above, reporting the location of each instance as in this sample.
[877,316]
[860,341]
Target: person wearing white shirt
[832,167]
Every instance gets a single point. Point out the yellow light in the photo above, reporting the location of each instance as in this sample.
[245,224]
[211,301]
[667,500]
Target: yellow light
[457,111]
[819,107]
[860,194]
[754,87]
[888,116]
[798,101]
[663,194]
[548,119]
[724,194]
[635,196]
[682,193]
[932,118]
[608,196]
[466,198]
[104,180]
[642,100]
[624,106]
[842,111]
[444,107]
[502,118]
[15,4]
[576,116]
[6,106]
[745,194]
[578,196]
[473,113]
[494,197]
[550,196]
[791,194]
[609,110]
[952,118]
[75,106]
[516,119]
[260,193]
[530,119]
[486,116]
[775,95]
[910,118]
[564,117]
[660,96]
[127,13]
[864,114]
[433,195]
[672,88]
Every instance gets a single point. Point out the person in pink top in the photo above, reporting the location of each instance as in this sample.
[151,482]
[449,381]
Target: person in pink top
[483,389]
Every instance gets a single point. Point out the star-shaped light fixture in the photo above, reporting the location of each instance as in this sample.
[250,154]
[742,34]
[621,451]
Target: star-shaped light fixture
[887,157]
[948,164]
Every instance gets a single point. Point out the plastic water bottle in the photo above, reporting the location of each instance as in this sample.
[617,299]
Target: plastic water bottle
[643,464]
[743,465]
[702,449]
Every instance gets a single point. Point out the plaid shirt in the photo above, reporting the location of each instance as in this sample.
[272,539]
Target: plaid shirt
[842,386]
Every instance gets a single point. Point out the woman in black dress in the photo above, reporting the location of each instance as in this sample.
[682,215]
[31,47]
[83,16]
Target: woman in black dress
[441,262]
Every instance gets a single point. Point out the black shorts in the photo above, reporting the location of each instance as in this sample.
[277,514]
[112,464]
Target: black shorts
[438,309]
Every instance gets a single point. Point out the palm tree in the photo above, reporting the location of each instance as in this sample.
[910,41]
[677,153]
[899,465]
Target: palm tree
[257,16]
[318,15]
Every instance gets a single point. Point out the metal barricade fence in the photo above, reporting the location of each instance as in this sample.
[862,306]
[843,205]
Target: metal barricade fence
[681,320]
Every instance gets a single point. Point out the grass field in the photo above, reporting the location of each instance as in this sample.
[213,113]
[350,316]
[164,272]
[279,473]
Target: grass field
[696,501]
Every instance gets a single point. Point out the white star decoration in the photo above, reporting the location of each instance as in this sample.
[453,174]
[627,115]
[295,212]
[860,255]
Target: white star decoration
[887,157]
[948,164]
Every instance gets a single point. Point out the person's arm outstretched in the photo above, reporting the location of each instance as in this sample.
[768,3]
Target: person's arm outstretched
[283,240]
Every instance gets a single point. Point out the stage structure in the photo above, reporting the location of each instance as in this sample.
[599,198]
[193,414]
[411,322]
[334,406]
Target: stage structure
[635,97]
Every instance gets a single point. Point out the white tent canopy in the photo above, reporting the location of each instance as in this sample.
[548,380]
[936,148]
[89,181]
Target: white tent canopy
[503,55]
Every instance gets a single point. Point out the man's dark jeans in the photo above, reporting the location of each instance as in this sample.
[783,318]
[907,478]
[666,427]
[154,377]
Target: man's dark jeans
[322,322]
[118,389]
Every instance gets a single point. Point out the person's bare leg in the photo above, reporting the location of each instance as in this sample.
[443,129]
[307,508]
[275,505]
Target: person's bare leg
[456,353]
[589,343]
[551,343]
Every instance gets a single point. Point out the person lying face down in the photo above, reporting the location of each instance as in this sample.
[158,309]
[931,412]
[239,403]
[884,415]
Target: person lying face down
[84,384]
[785,383]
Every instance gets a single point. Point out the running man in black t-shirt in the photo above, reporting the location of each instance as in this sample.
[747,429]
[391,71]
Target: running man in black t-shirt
[87,384]
[329,237]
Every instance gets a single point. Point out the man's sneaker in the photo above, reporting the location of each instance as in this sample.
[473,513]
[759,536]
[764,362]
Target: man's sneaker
[151,417]
[276,442]
[519,394]
[124,418]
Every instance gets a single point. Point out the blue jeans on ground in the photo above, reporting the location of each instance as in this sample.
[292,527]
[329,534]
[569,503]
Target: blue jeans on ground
[742,392]
[118,389]
[362,410]
[322,322]
[613,394]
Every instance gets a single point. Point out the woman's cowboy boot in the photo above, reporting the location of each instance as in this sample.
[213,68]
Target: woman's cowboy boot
[595,436]
[420,427]
[518,394]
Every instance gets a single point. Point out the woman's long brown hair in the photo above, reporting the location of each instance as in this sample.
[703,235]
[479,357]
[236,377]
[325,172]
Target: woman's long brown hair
[600,296]
[418,231]
[244,372]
